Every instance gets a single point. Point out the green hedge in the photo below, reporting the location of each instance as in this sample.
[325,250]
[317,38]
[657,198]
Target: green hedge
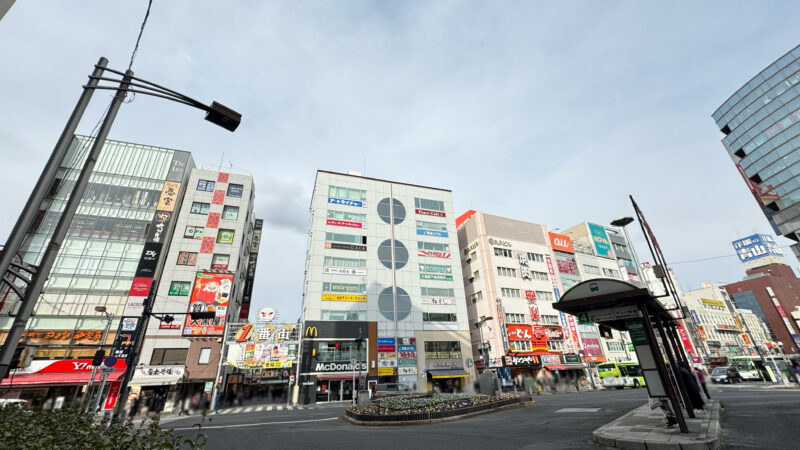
[72,428]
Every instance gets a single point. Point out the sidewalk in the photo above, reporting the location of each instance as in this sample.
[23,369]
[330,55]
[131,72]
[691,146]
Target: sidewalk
[644,428]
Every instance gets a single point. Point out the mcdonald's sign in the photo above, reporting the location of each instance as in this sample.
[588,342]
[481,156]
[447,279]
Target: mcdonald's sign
[311,332]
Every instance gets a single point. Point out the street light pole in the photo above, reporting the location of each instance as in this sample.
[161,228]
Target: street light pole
[109,318]
[222,352]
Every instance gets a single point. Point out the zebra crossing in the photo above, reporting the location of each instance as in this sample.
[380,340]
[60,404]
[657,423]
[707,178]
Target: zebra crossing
[262,408]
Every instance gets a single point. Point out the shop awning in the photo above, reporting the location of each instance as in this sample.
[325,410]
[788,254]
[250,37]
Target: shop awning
[555,367]
[156,381]
[38,379]
[449,373]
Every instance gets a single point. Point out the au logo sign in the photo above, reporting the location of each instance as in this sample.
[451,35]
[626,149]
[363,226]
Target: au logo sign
[311,332]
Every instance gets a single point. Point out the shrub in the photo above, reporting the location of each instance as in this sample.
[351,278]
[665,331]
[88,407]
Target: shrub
[72,428]
[415,404]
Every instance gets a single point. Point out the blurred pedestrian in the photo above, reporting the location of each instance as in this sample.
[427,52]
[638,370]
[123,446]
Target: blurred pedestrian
[691,386]
[701,378]
[666,408]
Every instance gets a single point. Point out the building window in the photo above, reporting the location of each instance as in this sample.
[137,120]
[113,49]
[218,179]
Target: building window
[438,317]
[437,292]
[205,356]
[332,261]
[349,288]
[478,296]
[329,314]
[611,273]
[615,346]
[442,350]
[230,212]
[431,225]
[235,190]
[434,246]
[549,320]
[199,208]
[520,346]
[591,269]
[187,259]
[535,257]
[515,318]
[502,252]
[347,193]
[546,296]
[166,356]
[225,236]
[555,345]
[476,275]
[433,205]
[346,238]
[193,232]
[506,272]
[508,292]
[348,216]
[180,288]
[220,262]
[205,185]
[619,247]
[539,275]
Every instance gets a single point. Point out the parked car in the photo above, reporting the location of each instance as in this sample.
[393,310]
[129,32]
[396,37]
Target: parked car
[15,401]
[725,374]
[391,390]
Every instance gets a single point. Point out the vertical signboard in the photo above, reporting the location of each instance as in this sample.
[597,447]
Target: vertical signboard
[252,260]
[211,293]
[600,240]
[783,316]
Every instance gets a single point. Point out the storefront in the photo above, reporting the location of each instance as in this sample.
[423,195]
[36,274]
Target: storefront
[49,384]
[524,368]
[445,375]
[159,387]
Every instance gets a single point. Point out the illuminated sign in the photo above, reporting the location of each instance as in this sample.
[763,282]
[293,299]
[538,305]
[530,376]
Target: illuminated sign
[438,301]
[519,332]
[755,247]
[344,223]
[561,243]
[169,195]
[528,360]
[211,292]
[435,276]
[431,233]
[340,246]
[600,239]
[433,254]
[428,212]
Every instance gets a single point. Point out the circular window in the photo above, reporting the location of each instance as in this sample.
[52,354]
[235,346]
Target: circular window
[400,254]
[386,304]
[398,210]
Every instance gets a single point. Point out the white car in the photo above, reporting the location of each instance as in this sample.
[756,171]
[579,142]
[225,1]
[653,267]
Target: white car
[14,401]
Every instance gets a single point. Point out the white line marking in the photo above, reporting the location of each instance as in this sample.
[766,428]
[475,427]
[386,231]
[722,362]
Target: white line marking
[257,424]
[269,408]
[248,409]
[280,407]
[237,410]
[224,411]
[260,408]
[288,408]
[577,410]
[298,407]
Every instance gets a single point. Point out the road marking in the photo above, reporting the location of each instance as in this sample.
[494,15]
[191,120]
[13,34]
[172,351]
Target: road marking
[240,425]
[288,408]
[260,408]
[577,410]
[237,410]
[280,407]
[224,411]
[269,408]
[248,409]
[298,407]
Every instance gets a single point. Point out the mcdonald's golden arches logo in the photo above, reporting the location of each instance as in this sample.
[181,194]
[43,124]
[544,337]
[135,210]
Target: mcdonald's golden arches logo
[311,331]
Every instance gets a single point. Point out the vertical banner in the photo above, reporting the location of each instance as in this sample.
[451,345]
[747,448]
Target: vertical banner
[783,316]
[502,324]
[685,339]
[113,394]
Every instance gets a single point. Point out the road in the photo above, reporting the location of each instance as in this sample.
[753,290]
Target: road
[753,417]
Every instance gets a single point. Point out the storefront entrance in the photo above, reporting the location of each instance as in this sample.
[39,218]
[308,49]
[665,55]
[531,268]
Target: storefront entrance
[334,390]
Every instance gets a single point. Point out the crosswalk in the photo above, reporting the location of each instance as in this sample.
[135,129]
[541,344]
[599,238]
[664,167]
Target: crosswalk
[262,408]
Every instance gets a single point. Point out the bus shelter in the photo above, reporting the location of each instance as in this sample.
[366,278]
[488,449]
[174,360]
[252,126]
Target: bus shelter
[653,329]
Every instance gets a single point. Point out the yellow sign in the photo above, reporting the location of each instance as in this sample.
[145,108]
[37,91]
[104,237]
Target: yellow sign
[276,364]
[702,332]
[385,371]
[708,301]
[738,324]
[344,298]
[746,339]
[169,195]
[311,331]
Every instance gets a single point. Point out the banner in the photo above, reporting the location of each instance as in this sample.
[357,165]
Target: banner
[211,293]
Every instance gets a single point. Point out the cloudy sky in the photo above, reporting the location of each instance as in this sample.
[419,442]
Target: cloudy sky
[551,112]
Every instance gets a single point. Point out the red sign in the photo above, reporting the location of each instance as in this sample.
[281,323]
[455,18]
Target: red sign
[213,220]
[211,292]
[68,366]
[344,223]
[386,348]
[140,287]
[591,346]
[531,296]
[222,177]
[568,267]
[573,330]
[427,212]
[519,332]
[434,254]
[219,197]
[561,243]
[534,312]
[208,245]
[539,341]
[685,339]
[113,394]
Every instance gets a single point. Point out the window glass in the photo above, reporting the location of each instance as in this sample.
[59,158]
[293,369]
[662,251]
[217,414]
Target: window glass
[199,208]
[438,317]
[205,185]
[433,205]
[165,356]
[348,216]
[347,193]
[205,356]
[437,292]
[328,314]
[225,236]
[502,252]
[235,190]
[220,262]
[193,232]
[344,262]
[508,292]
[230,212]
[180,288]
[435,246]
[506,272]
[187,258]
[431,225]
[348,238]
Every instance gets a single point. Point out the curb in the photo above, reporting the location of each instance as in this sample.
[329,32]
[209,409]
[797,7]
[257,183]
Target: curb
[710,440]
[521,404]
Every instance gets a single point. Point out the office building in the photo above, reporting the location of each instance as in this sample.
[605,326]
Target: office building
[761,123]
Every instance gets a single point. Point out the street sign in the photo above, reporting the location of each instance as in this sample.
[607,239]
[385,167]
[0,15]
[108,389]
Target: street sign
[636,329]
[110,361]
[608,314]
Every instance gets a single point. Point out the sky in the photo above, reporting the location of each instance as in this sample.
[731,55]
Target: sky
[549,112]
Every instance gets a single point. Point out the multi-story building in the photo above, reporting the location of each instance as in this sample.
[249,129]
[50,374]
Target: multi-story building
[769,291]
[99,262]
[381,256]
[511,282]
[206,269]
[761,123]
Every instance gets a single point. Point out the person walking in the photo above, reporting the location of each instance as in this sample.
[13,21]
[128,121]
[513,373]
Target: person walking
[701,378]
[691,385]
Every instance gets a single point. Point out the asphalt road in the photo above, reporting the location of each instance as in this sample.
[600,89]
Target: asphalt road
[753,417]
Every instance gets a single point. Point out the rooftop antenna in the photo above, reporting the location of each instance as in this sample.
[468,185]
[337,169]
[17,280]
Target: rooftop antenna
[220,162]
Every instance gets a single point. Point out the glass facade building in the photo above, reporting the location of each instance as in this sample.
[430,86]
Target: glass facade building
[100,254]
[761,123]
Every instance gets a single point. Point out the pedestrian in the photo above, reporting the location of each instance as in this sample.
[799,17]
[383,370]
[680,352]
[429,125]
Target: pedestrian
[701,378]
[540,381]
[666,408]
[691,386]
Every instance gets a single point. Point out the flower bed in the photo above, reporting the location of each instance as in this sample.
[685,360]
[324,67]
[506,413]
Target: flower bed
[425,407]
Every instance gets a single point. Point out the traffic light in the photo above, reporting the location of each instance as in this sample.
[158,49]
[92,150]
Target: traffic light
[202,315]
[98,357]
[168,319]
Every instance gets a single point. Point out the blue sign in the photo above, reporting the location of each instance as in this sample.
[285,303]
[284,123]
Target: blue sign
[385,341]
[600,239]
[406,348]
[344,201]
[432,233]
[755,247]
[110,361]
[695,318]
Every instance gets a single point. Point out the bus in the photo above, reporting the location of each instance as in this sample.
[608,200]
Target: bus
[747,366]
[620,375]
